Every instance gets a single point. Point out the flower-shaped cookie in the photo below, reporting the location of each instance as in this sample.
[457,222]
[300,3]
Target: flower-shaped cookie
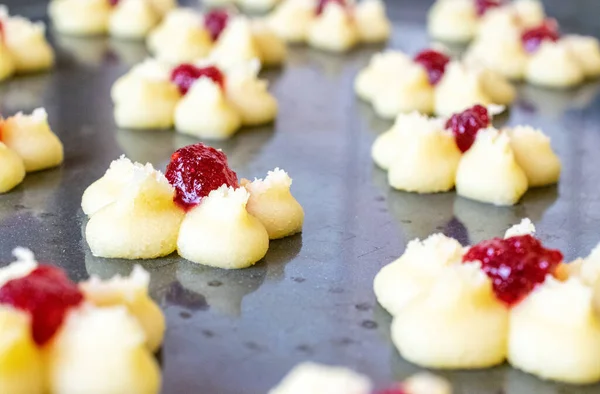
[250,5]
[228,39]
[429,83]
[430,155]
[197,208]
[537,54]
[460,21]
[57,336]
[130,19]
[331,25]
[23,46]
[26,145]
[198,99]
[511,298]
[313,378]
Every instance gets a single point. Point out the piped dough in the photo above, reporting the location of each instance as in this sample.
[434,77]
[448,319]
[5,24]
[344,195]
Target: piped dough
[381,69]
[7,65]
[488,171]
[220,232]
[399,283]
[555,333]
[133,19]
[534,154]
[372,22]
[236,44]
[103,349]
[587,52]
[313,378]
[131,292]
[452,21]
[145,98]
[32,139]
[333,30]
[12,168]
[273,204]
[565,71]
[80,18]
[426,159]
[142,223]
[272,50]
[291,20]
[21,367]
[204,112]
[249,95]
[458,324]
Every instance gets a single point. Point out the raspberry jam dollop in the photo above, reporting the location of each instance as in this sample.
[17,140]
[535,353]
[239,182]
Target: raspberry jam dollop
[196,170]
[323,3]
[466,124]
[533,38]
[215,22]
[46,294]
[515,265]
[185,75]
[482,6]
[434,62]
[395,390]
[113,3]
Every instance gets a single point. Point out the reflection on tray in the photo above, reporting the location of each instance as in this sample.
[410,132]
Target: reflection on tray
[147,146]
[24,93]
[553,103]
[95,51]
[223,290]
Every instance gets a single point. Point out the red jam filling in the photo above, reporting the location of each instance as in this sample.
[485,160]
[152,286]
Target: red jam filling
[466,124]
[46,294]
[323,3]
[185,75]
[215,22]
[113,3]
[533,38]
[1,30]
[195,171]
[515,265]
[482,6]
[395,390]
[434,62]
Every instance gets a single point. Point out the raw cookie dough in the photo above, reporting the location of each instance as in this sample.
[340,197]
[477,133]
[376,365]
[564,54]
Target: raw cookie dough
[141,223]
[251,5]
[128,19]
[524,52]
[335,26]
[220,232]
[430,155]
[429,83]
[273,204]
[460,21]
[23,46]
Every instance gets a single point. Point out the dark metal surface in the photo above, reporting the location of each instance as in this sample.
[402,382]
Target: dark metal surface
[311,298]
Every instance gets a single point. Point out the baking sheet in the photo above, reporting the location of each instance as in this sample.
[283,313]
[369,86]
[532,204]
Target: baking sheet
[311,297]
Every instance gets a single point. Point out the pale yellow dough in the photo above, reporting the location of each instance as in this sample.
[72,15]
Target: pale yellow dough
[163,6]
[409,90]
[250,5]
[32,139]
[236,45]
[333,30]
[453,20]
[180,38]
[7,65]
[414,273]
[501,52]
[142,223]
[133,19]
[382,67]
[533,153]
[425,156]
[291,20]
[21,368]
[220,232]
[458,324]
[26,43]
[249,96]
[272,202]
[101,350]
[131,292]
[81,18]
[555,333]
[587,52]
[565,71]
[488,171]
[12,169]
[205,112]
[145,98]
[372,22]
[313,378]
[272,50]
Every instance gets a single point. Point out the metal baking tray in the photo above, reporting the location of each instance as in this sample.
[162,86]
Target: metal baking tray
[311,298]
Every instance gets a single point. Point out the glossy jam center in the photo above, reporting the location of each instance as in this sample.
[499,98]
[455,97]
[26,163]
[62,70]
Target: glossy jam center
[482,6]
[215,22]
[185,75]
[434,62]
[323,3]
[46,294]
[533,38]
[466,124]
[195,171]
[395,390]
[515,265]
[113,3]
[1,31]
